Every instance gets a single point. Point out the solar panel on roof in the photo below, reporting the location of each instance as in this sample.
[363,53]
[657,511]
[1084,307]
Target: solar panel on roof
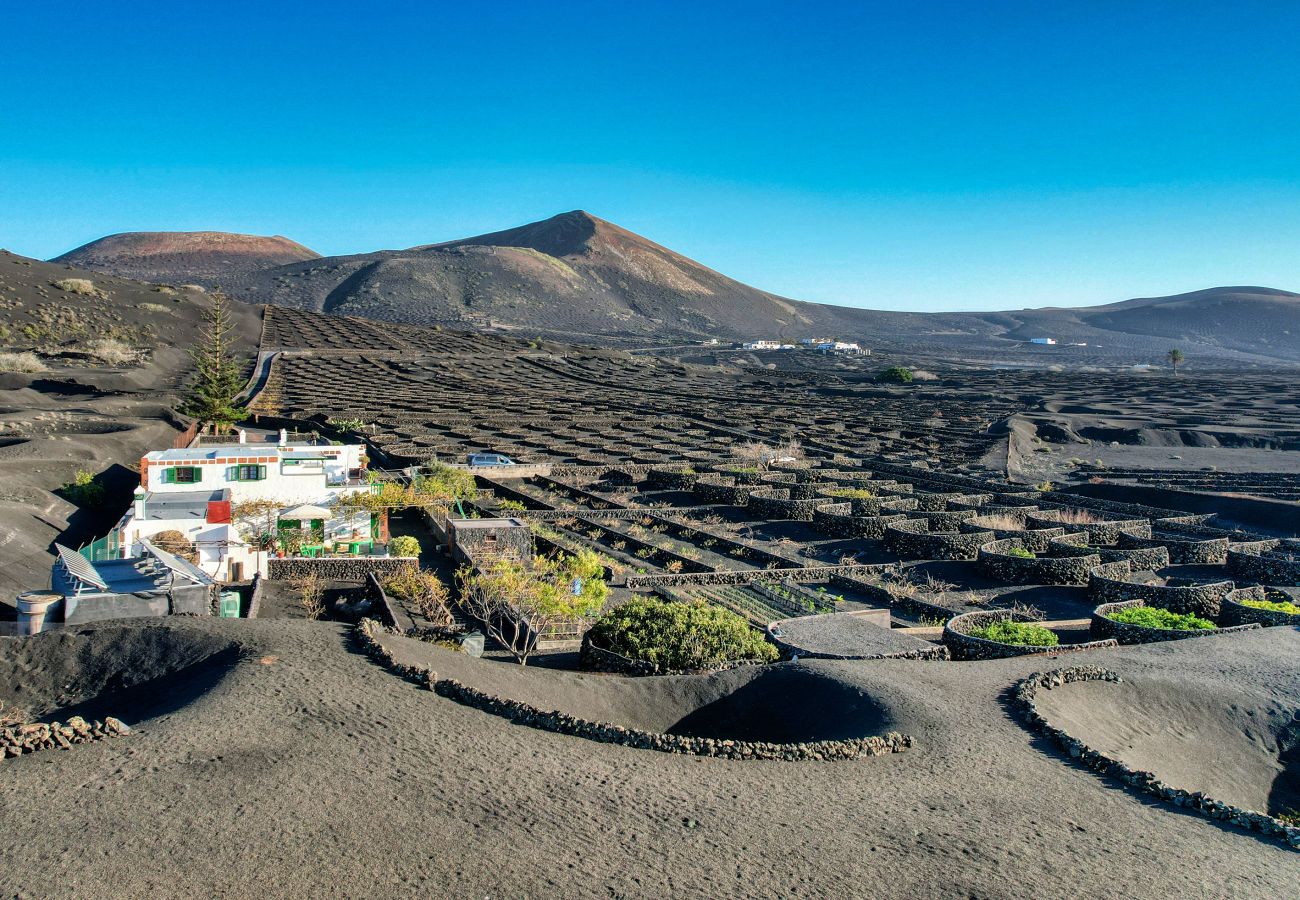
[80,568]
[182,567]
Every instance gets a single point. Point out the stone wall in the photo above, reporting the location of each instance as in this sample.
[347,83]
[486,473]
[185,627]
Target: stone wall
[338,568]
[671,479]
[995,561]
[1104,533]
[1139,559]
[912,539]
[964,646]
[1103,627]
[1265,568]
[776,504]
[1034,539]
[1234,613]
[1109,583]
[563,723]
[1147,783]
[804,574]
[1182,550]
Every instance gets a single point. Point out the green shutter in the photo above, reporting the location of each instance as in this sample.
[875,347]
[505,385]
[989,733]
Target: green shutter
[169,476]
[232,473]
[261,473]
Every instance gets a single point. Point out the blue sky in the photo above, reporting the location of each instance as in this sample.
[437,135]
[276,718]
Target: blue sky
[895,155]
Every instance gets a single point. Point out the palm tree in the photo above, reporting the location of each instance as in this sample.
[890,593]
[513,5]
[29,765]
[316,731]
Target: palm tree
[1175,357]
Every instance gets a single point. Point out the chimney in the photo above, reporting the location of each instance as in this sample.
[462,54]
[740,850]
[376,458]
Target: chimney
[139,496]
[243,436]
[284,436]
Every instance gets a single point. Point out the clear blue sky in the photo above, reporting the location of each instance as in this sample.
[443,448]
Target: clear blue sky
[893,155]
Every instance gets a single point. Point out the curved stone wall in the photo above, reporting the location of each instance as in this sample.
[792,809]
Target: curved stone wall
[1109,583]
[995,561]
[671,479]
[1139,559]
[964,646]
[776,504]
[1035,539]
[1106,532]
[1234,613]
[714,490]
[1269,567]
[1182,550]
[913,539]
[836,520]
[1125,633]
[1146,782]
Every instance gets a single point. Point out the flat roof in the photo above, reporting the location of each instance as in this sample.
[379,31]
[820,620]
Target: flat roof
[160,505]
[220,451]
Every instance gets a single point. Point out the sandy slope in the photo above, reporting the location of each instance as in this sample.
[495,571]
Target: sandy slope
[304,769]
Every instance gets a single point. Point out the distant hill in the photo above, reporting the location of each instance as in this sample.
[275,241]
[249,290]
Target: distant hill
[578,277]
[180,256]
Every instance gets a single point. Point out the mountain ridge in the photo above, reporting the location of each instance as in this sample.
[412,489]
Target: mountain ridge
[578,276]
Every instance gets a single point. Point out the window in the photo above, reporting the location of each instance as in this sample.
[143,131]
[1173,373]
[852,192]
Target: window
[246,473]
[182,475]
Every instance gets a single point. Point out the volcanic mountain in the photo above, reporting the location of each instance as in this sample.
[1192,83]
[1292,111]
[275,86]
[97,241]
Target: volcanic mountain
[179,256]
[578,277]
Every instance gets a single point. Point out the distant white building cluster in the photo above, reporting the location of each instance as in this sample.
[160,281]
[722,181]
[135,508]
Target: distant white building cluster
[821,345]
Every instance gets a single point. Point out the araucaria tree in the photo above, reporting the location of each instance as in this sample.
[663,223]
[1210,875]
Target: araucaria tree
[1175,357]
[520,601]
[217,377]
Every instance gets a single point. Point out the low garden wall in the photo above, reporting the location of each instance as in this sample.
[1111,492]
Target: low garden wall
[1107,532]
[1182,550]
[804,574]
[912,539]
[1108,583]
[776,504]
[1034,539]
[995,561]
[721,492]
[965,646]
[338,568]
[1266,567]
[1125,633]
[561,723]
[1139,559]
[1145,782]
[671,479]
[1235,613]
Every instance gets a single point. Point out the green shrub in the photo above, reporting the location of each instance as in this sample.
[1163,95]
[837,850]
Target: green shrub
[1022,553]
[404,545]
[1155,617]
[677,635]
[895,375]
[84,490]
[1284,606]
[1008,631]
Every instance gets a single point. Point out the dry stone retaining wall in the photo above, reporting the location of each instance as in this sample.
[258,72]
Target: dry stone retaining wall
[965,646]
[995,561]
[339,568]
[1109,583]
[1103,627]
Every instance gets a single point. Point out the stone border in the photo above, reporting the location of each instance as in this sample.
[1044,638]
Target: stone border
[1036,539]
[964,646]
[997,562]
[337,568]
[1183,551]
[913,539]
[31,737]
[1103,627]
[1106,531]
[1026,691]
[1263,567]
[605,733]
[745,576]
[1139,559]
[1235,613]
[1108,583]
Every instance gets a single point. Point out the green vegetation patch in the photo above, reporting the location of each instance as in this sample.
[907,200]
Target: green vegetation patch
[1008,631]
[1022,553]
[681,636]
[895,375]
[851,493]
[1283,606]
[1155,617]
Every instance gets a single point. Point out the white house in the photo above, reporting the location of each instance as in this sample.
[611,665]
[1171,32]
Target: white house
[192,490]
[1047,341]
[848,347]
[761,345]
